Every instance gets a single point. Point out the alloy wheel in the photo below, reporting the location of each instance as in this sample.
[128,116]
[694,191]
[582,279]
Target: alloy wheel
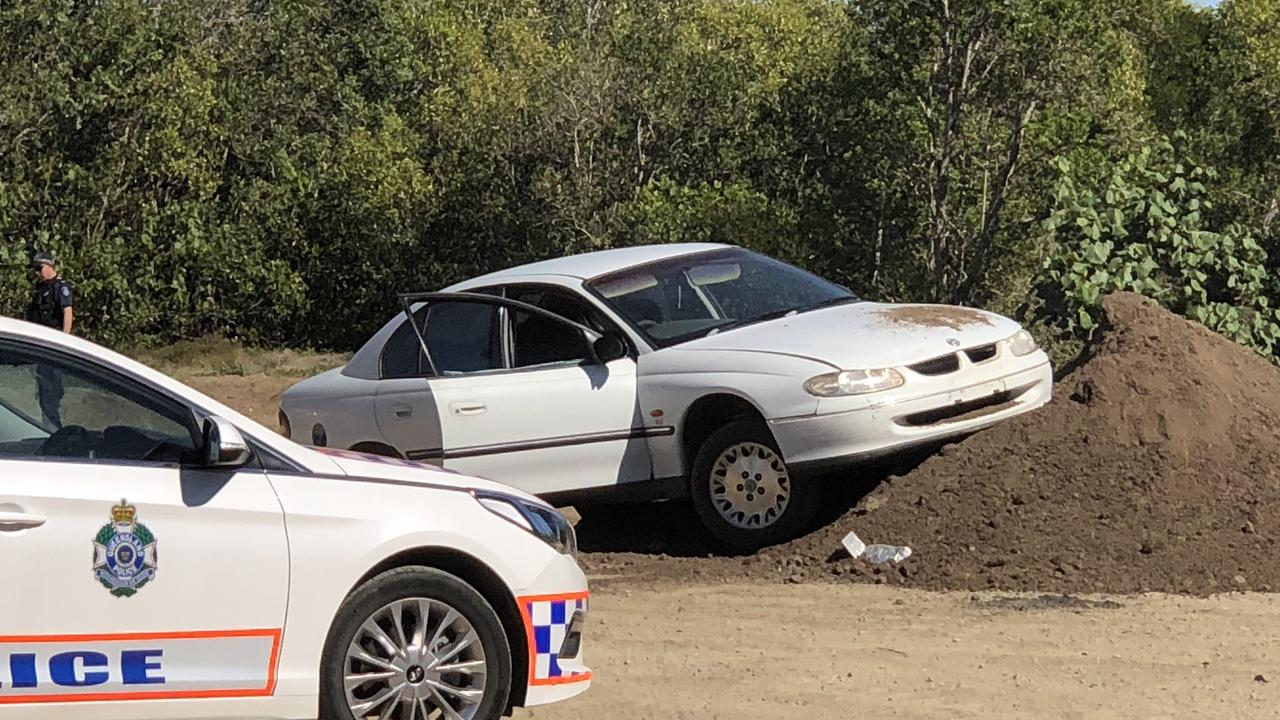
[415,659]
[750,487]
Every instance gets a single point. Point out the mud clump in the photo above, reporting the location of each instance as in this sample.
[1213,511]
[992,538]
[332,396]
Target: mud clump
[1156,467]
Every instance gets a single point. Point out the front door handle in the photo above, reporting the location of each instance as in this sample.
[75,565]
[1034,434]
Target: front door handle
[467,407]
[14,521]
[402,411]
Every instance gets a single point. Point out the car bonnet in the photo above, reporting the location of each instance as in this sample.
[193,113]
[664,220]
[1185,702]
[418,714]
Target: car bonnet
[866,334]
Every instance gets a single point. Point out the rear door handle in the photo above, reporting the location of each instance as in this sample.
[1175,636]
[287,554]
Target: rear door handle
[402,411]
[467,407]
[14,521]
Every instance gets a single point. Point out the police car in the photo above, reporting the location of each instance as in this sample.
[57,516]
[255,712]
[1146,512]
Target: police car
[166,557]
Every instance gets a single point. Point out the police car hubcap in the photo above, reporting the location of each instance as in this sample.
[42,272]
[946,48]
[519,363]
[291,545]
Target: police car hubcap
[415,659]
[750,487]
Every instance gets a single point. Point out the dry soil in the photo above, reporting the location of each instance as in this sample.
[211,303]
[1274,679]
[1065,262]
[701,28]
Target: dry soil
[751,651]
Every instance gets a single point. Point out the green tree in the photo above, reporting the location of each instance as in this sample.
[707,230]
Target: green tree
[960,106]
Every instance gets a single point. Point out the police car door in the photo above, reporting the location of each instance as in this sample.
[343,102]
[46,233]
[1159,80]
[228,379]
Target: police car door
[136,586]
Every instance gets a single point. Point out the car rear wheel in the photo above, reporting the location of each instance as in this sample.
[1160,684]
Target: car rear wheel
[743,491]
[415,643]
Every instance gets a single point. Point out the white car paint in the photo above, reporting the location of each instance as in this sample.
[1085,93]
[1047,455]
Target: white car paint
[651,393]
[250,565]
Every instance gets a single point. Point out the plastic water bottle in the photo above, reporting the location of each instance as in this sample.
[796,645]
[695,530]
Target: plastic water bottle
[874,554]
[881,554]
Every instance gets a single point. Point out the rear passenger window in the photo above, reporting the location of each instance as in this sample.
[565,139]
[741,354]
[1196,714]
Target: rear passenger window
[402,356]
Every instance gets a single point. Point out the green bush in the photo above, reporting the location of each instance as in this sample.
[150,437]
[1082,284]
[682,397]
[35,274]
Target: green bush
[1144,229]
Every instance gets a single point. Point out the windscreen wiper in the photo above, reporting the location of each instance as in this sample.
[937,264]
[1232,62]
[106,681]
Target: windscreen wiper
[829,302]
[753,320]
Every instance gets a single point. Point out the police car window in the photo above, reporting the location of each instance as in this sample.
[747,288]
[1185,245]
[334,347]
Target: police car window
[55,407]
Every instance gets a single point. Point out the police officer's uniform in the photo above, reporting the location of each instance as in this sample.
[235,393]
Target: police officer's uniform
[51,299]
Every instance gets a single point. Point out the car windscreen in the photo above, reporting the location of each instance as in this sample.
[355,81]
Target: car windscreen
[672,301]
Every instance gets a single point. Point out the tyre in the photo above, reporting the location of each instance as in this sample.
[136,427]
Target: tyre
[743,491]
[415,643]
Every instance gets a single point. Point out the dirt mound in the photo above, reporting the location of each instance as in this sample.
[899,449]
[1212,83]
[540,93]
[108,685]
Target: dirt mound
[1153,468]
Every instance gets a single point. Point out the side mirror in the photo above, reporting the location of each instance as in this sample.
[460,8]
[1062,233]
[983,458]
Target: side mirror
[608,348]
[224,446]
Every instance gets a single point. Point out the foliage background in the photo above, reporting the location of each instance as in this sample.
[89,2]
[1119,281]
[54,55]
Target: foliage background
[276,171]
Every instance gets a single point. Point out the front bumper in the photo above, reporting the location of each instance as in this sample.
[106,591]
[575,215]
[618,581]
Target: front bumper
[554,611]
[873,429]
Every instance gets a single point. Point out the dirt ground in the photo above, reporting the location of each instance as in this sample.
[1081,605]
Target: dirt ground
[772,651]
[247,379]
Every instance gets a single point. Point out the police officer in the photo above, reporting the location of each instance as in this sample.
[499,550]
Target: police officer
[51,306]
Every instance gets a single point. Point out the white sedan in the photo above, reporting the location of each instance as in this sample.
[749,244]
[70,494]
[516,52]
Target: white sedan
[166,557]
[664,372]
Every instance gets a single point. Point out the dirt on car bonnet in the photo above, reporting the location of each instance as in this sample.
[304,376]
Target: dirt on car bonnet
[933,316]
[1156,467]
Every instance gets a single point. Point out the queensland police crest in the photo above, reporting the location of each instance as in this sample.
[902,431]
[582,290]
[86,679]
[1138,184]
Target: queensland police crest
[124,552]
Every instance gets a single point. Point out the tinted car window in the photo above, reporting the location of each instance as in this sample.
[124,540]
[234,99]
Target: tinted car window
[463,337]
[402,356]
[57,407]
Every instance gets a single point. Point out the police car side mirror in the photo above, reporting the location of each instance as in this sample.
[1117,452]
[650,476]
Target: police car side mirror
[224,446]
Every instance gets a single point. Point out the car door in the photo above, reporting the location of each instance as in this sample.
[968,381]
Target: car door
[404,406]
[136,581]
[520,399]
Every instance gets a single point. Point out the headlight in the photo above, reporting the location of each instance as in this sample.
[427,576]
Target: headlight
[1021,343]
[853,382]
[541,520]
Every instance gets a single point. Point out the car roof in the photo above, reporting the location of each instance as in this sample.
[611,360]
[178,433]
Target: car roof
[593,264]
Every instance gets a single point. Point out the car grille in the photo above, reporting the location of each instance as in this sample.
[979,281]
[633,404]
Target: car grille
[946,364]
[961,411]
[982,353]
[938,366]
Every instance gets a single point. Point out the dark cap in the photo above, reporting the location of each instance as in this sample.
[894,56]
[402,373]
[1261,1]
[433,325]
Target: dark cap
[43,258]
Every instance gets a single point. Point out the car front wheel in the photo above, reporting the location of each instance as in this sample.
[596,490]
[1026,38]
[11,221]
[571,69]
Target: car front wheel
[415,643]
[743,491]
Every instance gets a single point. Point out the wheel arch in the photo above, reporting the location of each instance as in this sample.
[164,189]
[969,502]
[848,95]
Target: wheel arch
[480,576]
[708,413]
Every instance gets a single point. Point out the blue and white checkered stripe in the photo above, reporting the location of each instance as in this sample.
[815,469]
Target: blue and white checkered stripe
[550,623]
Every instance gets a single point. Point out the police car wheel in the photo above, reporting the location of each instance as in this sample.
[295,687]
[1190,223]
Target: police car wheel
[415,643]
